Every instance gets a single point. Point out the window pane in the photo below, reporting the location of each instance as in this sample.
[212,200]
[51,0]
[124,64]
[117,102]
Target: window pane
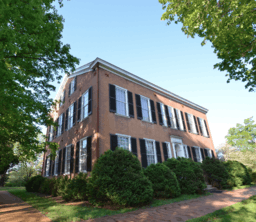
[150,152]
[123,142]
[180,120]
[163,114]
[120,95]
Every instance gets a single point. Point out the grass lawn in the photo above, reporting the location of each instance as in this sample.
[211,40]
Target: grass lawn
[242,187]
[242,211]
[60,212]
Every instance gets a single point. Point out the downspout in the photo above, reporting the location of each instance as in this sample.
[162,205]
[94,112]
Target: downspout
[98,114]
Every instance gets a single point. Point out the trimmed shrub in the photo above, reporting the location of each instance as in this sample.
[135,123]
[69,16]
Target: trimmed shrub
[254,177]
[47,187]
[238,173]
[216,173]
[117,178]
[164,181]
[34,183]
[189,175]
[62,186]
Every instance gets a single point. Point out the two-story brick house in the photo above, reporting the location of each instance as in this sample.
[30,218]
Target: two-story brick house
[104,106]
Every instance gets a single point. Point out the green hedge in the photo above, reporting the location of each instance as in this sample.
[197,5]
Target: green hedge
[189,175]
[117,178]
[164,181]
[34,183]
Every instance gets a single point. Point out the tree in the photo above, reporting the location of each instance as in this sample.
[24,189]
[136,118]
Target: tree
[31,58]
[243,137]
[228,25]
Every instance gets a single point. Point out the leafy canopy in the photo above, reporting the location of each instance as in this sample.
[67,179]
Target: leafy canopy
[243,137]
[31,56]
[228,25]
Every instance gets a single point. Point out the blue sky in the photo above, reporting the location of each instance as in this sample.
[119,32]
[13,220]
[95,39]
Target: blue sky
[131,35]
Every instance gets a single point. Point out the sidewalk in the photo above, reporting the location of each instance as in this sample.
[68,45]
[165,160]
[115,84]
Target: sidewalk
[13,209]
[183,210]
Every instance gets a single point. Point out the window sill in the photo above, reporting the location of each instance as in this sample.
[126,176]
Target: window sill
[147,121]
[122,115]
[165,126]
[83,119]
[65,174]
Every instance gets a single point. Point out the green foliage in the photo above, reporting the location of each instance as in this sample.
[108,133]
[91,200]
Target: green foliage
[34,183]
[238,173]
[189,175]
[254,177]
[32,56]
[164,181]
[117,178]
[62,186]
[228,25]
[243,137]
[216,173]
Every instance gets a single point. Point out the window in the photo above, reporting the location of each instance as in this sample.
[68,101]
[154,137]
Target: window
[72,86]
[51,134]
[124,142]
[191,122]
[85,99]
[70,116]
[67,159]
[60,125]
[180,120]
[172,117]
[121,101]
[169,150]
[47,165]
[151,151]
[185,151]
[198,155]
[202,126]
[209,152]
[62,99]
[56,164]
[163,114]
[145,106]
[83,155]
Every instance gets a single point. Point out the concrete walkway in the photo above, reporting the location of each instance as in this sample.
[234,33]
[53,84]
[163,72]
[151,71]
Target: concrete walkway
[183,210]
[13,209]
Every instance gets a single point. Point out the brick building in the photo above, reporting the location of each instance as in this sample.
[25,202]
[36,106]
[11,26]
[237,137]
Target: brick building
[104,106]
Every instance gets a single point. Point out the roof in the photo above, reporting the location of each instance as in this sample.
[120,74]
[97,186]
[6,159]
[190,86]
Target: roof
[127,75]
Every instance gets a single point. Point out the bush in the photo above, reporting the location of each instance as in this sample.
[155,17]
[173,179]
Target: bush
[164,181]
[189,175]
[254,177]
[62,186]
[34,183]
[76,188]
[117,178]
[216,173]
[48,187]
[238,173]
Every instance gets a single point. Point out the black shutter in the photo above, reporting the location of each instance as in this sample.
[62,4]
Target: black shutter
[79,109]
[90,101]
[153,112]
[143,153]
[69,89]
[206,153]
[72,159]
[196,125]
[213,154]
[187,122]
[176,117]
[202,153]
[138,106]
[158,152]
[160,118]
[134,146]
[63,122]
[66,120]
[206,129]
[113,142]
[194,154]
[189,152]
[77,156]
[74,113]
[130,104]
[167,116]
[64,96]
[182,117]
[112,98]
[165,151]
[45,164]
[50,168]
[56,132]
[200,127]
[53,166]
[63,159]
[59,164]
[75,84]
[89,153]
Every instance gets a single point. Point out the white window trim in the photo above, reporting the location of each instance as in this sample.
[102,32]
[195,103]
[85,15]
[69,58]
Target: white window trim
[66,153]
[80,147]
[56,158]
[163,114]
[203,127]
[172,120]
[149,108]
[61,99]
[123,135]
[193,124]
[47,173]
[60,125]
[180,120]
[169,149]
[82,104]
[200,155]
[154,144]
[69,108]
[72,87]
[126,102]
[185,147]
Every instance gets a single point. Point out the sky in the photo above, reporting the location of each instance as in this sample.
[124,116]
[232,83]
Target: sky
[132,36]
